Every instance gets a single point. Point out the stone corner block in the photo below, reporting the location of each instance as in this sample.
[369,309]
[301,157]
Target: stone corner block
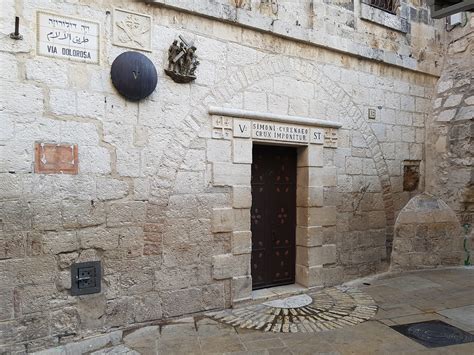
[241,242]
[315,256]
[241,288]
[309,236]
[310,196]
[310,156]
[228,174]
[226,266]
[242,196]
[322,216]
[309,276]
[242,151]
[222,220]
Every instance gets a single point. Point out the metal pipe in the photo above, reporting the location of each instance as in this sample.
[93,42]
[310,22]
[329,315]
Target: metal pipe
[16,35]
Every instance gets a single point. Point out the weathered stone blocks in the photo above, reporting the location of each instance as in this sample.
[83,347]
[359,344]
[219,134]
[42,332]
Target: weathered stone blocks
[227,174]
[312,256]
[125,213]
[316,216]
[427,234]
[241,288]
[60,242]
[242,151]
[318,275]
[227,265]
[222,220]
[241,196]
[241,243]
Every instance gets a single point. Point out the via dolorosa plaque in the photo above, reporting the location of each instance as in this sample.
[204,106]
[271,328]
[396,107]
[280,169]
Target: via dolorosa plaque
[67,38]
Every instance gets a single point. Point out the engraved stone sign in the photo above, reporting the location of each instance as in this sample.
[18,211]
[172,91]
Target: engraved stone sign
[132,30]
[317,136]
[226,127]
[222,127]
[330,138]
[242,128]
[68,38]
[280,132]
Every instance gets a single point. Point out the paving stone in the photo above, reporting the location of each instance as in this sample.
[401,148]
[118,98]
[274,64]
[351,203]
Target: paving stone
[291,302]
[461,314]
[328,309]
[116,350]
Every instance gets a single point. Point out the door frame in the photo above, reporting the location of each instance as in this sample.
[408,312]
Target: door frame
[267,262]
[316,254]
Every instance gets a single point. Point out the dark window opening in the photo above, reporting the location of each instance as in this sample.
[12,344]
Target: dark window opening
[411,175]
[390,6]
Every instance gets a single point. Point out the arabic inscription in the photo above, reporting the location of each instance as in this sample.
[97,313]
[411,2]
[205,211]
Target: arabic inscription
[132,30]
[68,38]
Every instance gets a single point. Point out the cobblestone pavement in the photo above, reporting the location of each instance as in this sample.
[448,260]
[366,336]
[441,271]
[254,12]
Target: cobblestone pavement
[445,294]
[332,308]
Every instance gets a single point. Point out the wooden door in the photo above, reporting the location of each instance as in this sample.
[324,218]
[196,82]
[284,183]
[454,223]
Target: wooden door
[273,216]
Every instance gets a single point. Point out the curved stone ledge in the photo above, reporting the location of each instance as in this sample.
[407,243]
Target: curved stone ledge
[267,116]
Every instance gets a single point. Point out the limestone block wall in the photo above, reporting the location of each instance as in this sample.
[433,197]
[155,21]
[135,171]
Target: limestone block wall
[450,139]
[427,235]
[408,37]
[163,205]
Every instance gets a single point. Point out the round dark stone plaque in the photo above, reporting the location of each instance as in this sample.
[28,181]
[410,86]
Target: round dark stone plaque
[134,75]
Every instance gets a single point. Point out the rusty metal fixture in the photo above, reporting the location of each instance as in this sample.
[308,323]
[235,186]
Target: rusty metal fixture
[16,35]
[134,75]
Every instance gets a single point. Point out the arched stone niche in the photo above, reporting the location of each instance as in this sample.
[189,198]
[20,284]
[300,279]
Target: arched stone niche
[427,234]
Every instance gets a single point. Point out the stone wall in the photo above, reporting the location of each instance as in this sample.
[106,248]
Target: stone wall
[450,135]
[163,205]
[408,38]
[427,235]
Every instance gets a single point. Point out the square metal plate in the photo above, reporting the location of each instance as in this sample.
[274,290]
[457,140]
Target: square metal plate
[434,333]
[86,278]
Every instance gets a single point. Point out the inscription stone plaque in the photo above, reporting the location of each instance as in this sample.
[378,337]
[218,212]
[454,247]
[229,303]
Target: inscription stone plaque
[68,38]
[280,132]
[226,127]
[132,30]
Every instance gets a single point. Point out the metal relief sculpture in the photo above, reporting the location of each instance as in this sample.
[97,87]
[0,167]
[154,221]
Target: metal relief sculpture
[132,30]
[182,61]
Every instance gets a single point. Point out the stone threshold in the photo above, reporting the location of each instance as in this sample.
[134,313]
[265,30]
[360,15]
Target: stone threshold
[273,293]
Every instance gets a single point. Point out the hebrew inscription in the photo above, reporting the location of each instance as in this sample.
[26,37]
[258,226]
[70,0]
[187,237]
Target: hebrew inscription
[132,30]
[67,38]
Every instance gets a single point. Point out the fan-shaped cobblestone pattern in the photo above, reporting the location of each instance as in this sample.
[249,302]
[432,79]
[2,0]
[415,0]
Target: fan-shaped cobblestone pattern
[330,308]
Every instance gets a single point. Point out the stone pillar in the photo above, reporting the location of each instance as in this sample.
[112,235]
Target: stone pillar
[315,257]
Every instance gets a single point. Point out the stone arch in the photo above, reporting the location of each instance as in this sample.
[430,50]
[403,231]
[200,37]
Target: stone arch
[190,126]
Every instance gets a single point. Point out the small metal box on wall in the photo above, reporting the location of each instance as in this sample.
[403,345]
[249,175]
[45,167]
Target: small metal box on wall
[86,278]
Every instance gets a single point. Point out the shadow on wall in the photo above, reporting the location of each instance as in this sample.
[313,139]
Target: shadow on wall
[427,234]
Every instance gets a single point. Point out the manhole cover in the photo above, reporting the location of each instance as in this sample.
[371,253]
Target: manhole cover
[434,333]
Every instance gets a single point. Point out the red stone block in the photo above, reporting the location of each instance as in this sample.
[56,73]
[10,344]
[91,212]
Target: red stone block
[56,158]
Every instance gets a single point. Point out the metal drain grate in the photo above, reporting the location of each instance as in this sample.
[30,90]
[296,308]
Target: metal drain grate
[434,333]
